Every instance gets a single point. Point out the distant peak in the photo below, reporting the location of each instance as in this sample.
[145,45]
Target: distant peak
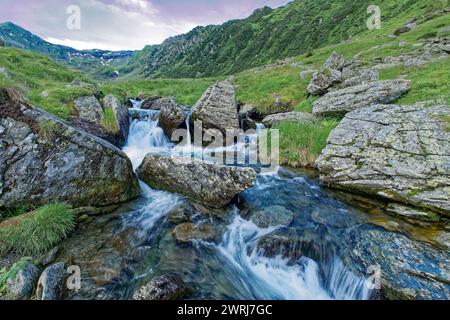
[262,11]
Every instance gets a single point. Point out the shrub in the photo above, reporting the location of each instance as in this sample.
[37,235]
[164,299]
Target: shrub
[37,231]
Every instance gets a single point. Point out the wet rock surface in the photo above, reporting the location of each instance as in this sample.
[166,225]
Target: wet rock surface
[171,117]
[409,269]
[188,232]
[165,287]
[272,217]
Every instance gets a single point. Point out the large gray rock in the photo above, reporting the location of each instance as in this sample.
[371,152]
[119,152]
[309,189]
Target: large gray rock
[23,285]
[165,287]
[339,102]
[400,153]
[153,102]
[217,108]
[88,108]
[323,80]
[43,159]
[358,77]
[336,62]
[51,283]
[409,270]
[275,119]
[171,117]
[210,184]
[120,112]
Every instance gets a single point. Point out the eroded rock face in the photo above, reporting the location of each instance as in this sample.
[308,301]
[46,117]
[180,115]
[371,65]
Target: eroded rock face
[210,184]
[400,153]
[274,119]
[165,287]
[88,108]
[339,102]
[43,159]
[217,108]
[171,117]
[120,112]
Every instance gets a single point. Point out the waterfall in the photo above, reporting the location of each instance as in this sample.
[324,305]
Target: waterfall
[257,276]
[277,278]
[145,135]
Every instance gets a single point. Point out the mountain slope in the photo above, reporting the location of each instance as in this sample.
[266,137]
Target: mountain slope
[100,62]
[267,35]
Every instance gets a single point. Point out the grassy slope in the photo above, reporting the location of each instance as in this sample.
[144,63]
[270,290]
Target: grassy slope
[260,86]
[301,144]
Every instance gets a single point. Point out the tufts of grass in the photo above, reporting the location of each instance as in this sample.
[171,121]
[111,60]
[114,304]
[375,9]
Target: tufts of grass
[109,122]
[11,273]
[302,143]
[37,231]
[48,129]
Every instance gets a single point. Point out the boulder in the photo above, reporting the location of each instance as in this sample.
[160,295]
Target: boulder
[323,80]
[275,119]
[409,270]
[165,287]
[272,217]
[171,117]
[188,232]
[217,108]
[120,112]
[88,108]
[44,159]
[364,76]
[155,102]
[24,283]
[339,102]
[336,61]
[399,153]
[51,283]
[211,184]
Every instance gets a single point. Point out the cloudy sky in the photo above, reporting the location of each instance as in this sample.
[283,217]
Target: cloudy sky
[123,24]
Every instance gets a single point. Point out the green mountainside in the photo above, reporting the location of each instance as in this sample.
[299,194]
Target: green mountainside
[264,37]
[98,63]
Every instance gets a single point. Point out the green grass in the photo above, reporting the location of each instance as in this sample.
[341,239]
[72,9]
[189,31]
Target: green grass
[47,129]
[302,143]
[34,74]
[11,273]
[185,91]
[37,231]
[428,82]
[109,122]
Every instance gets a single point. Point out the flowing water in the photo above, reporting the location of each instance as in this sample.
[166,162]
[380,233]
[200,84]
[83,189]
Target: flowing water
[124,250]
